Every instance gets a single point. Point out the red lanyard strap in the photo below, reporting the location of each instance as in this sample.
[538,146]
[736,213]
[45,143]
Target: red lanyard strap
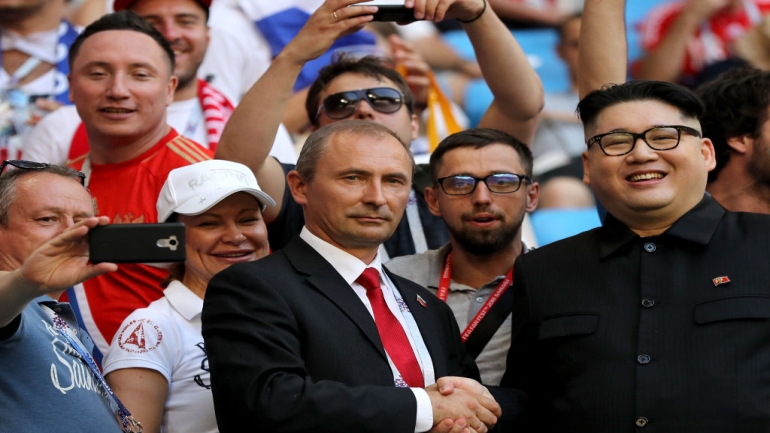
[443,292]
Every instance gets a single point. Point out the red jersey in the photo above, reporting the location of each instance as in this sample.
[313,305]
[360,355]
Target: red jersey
[127,192]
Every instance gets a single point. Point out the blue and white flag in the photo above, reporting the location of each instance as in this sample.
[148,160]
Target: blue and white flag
[280,21]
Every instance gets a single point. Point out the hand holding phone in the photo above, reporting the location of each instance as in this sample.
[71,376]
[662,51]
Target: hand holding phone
[390,10]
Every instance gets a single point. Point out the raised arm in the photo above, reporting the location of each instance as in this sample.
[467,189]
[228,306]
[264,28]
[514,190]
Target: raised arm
[517,10]
[666,61]
[58,264]
[516,87]
[603,54]
[251,130]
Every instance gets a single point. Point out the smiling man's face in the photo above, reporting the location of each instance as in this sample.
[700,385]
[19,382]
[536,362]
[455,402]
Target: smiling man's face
[647,187]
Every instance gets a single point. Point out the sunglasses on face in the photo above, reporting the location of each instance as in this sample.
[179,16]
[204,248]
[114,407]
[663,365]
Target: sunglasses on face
[32,165]
[343,104]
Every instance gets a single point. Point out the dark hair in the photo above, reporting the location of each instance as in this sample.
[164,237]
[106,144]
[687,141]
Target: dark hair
[315,144]
[672,94]
[11,176]
[478,138]
[122,20]
[198,2]
[205,9]
[736,104]
[369,66]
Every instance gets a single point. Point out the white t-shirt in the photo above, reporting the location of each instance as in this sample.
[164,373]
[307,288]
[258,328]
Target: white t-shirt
[237,55]
[43,46]
[187,118]
[166,337]
[51,139]
[46,48]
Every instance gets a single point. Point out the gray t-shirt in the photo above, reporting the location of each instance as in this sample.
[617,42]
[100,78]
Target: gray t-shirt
[425,269]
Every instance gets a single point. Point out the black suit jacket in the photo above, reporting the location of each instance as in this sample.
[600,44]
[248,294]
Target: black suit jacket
[616,333]
[292,348]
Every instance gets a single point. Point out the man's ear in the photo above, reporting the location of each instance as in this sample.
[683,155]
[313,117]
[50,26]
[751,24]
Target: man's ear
[709,154]
[533,194]
[297,187]
[171,89]
[415,122]
[741,143]
[586,172]
[432,200]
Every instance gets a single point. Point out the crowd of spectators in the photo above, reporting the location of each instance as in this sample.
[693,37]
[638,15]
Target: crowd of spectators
[265,126]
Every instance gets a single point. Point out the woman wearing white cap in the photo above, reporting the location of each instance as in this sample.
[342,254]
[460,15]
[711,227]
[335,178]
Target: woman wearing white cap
[157,363]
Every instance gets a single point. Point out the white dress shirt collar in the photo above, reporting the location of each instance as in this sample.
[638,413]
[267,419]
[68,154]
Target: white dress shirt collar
[346,264]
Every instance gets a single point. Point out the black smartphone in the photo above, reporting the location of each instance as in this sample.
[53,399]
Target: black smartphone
[137,243]
[390,10]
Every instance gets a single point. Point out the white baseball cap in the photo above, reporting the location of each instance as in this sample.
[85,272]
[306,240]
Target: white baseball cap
[196,188]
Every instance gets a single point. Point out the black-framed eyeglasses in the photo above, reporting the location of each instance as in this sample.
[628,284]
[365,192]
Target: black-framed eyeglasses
[343,104]
[498,183]
[663,137]
[32,165]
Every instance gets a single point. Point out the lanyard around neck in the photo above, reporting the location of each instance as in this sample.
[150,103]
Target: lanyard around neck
[127,422]
[443,293]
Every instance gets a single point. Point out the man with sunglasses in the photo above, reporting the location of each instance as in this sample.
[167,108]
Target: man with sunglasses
[367,89]
[482,188]
[46,383]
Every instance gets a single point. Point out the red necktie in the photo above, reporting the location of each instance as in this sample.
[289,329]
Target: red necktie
[391,332]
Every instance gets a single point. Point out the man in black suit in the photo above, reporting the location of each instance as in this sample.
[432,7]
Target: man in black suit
[299,342]
[659,318]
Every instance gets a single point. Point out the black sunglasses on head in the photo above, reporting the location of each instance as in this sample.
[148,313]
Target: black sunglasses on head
[32,165]
[343,104]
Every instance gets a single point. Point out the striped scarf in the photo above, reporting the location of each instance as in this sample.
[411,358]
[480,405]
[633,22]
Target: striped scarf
[216,110]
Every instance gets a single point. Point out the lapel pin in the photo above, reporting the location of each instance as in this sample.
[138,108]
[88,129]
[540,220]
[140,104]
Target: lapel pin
[718,281]
[422,301]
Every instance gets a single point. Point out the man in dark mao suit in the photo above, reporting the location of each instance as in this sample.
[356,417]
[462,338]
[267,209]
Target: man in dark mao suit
[293,339]
[658,320]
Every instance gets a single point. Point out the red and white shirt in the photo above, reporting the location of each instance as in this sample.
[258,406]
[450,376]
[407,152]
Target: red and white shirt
[711,42]
[126,192]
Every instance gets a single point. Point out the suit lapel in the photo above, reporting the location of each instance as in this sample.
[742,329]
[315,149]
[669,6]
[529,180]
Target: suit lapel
[321,275]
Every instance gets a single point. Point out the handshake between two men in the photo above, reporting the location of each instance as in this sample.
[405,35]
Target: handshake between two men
[462,405]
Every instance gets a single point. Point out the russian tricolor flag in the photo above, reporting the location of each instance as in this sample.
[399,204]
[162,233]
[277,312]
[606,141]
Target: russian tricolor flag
[280,20]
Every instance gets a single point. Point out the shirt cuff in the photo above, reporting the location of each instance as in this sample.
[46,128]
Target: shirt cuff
[424,420]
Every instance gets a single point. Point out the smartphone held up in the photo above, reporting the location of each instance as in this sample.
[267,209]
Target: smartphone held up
[390,10]
[137,243]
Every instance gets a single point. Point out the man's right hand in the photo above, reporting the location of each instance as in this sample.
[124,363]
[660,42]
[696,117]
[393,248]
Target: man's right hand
[447,385]
[329,22]
[63,260]
[479,411]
